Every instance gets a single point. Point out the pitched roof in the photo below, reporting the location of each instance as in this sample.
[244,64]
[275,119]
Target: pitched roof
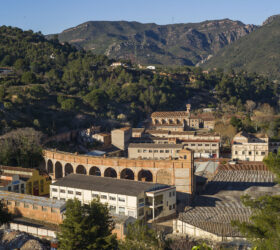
[167,114]
[107,184]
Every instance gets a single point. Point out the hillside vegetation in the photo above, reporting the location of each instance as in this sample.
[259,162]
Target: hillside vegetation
[54,87]
[257,52]
[173,44]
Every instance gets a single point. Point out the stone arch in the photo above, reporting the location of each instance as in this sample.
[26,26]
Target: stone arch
[164,177]
[58,170]
[156,121]
[163,121]
[127,173]
[110,172]
[68,169]
[80,169]
[50,167]
[95,171]
[145,175]
[170,121]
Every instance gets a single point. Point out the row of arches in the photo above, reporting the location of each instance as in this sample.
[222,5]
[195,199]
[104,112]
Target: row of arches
[57,170]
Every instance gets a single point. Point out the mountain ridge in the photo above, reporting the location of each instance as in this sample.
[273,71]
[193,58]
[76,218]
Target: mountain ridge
[150,43]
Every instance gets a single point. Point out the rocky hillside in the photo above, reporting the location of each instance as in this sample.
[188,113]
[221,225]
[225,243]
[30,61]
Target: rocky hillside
[257,52]
[179,44]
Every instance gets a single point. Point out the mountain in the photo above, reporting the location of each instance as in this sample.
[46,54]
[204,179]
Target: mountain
[173,44]
[257,52]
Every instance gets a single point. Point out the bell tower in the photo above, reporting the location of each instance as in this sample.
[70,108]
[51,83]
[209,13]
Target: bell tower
[188,106]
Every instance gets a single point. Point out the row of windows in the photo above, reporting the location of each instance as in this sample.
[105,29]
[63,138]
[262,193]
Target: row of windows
[172,206]
[172,194]
[34,206]
[200,145]
[103,197]
[113,209]
[250,152]
[156,151]
[69,191]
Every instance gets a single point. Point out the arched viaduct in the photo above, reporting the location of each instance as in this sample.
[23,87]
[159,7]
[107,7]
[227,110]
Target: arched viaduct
[172,172]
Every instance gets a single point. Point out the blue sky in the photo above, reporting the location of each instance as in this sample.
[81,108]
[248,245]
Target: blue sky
[52,16]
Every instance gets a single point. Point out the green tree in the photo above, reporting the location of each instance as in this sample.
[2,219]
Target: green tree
[263,230]
[21,147]
[87,227]
[68,104]
[28,77]
[5,216]
[97,99]
[140,237]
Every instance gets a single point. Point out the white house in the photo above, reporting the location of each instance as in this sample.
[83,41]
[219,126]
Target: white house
[124,197]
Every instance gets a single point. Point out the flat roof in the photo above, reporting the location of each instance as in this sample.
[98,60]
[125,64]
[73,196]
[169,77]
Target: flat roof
[107,184]
[154,145]
[31,199]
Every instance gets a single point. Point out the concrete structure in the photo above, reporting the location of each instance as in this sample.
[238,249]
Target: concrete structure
[179,173]
[154,151]
[211,214]
[182,120]
[249,147]
[12,183]
[104,138]
[26,180]
[124,197]
[34,207]
[120,137]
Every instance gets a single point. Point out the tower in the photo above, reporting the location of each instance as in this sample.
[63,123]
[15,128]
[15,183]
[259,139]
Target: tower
[188,108]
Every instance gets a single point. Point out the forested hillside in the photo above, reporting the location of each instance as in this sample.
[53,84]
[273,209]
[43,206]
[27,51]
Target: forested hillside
[55,87]
[257,52]
[149,43]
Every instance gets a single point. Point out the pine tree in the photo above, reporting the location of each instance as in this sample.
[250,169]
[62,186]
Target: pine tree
[86,227]
[263,230]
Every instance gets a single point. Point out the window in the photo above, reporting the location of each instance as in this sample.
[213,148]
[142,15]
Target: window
[141,200]
[44,209]
[70,192]
[144,150]
[16,188]
[54,189]
[150,151]
[41,185]
[26,205]
[35,207]
[199,145]
[95,195]
[9,188]
[62,191]
[9,203]
[122,210]
[243,152]
[170,193]
[214,145]
[141,211]
[174,205]
[167,203]
[192,145]
[22,186]
[121,199]
[155,151]
[236,152]
[131,213]
[139,151]
[250,152]
[161,151]
[173,193]
[78,193]
[17,203]
[170,207]
[206,145]
[166,151]
[112,209]
[257,152]
[177,151]
[62,199]
[104,197]
[263,153]
[54,198]
[112,198]
[53,210]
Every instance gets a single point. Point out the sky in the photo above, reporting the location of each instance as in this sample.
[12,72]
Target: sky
[54,16]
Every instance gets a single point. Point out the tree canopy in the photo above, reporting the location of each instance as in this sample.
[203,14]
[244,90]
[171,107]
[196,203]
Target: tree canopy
[86,227]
